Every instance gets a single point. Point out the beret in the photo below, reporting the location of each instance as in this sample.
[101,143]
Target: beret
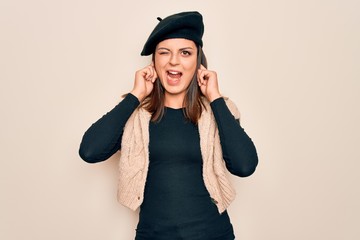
[188,25]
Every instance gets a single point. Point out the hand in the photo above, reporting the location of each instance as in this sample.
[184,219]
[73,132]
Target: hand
[208,83]
[144,82]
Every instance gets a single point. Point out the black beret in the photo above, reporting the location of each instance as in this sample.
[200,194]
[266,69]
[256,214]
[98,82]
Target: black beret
[187,25]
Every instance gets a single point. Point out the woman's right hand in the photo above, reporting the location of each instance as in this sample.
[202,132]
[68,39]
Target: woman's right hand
[144,82]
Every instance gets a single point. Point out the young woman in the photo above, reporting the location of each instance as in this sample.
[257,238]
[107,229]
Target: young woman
[178,139]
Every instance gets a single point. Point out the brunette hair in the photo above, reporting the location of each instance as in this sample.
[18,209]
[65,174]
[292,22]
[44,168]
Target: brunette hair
[154,103]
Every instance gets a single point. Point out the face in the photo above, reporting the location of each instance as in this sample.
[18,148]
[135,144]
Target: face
[175,64]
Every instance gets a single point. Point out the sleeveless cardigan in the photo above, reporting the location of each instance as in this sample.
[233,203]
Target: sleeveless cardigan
[134,158]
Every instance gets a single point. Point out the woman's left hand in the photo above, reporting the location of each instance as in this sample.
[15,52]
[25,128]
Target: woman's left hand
[208,83]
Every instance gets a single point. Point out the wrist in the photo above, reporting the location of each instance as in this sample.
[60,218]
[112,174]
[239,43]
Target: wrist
[214,97]
[139,96]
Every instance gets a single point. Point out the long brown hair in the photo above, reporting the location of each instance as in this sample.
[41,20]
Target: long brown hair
[154,103]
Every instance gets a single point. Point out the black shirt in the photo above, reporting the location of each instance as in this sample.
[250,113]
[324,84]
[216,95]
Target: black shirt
[176,202]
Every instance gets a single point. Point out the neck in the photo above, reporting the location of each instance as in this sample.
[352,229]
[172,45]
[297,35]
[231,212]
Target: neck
[174,101]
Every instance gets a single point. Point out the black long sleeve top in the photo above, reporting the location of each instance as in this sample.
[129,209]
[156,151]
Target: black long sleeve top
[103,138]
[176,203]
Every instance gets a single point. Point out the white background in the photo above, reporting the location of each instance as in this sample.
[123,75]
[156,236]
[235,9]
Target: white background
[292,68]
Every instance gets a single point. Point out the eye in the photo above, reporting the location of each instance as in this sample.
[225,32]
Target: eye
[186,53]
[163,53]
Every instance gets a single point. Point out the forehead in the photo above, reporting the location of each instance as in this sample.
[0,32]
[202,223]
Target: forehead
[176,43]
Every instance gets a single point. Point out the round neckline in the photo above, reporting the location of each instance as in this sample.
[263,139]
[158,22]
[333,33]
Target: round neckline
[174,109]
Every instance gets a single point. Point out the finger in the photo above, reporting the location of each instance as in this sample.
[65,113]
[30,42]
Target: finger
[147,74]
[151,72]
[199,78]
[199,82]
[204,75]
[202,78]
[155,76]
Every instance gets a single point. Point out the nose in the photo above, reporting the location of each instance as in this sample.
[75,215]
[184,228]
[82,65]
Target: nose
[174,59]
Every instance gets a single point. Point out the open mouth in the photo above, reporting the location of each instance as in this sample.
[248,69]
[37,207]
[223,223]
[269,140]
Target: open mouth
[173,77]
[174,74]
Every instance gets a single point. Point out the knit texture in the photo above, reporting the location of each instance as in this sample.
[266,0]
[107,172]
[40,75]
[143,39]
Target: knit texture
[134,158]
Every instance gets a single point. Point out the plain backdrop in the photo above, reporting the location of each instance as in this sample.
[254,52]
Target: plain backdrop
[291,66]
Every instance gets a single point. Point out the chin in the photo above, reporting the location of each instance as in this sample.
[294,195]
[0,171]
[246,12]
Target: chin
[175,87]
[174,90]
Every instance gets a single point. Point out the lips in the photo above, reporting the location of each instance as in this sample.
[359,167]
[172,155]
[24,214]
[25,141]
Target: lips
[173,77]
[174,74]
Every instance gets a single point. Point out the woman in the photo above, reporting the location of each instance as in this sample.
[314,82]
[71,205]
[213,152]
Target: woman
[178,138]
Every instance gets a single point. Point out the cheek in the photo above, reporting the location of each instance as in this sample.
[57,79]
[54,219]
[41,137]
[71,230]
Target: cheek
[159,66]
[191,67]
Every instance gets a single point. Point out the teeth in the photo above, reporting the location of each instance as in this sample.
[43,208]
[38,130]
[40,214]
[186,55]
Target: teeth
[173,72]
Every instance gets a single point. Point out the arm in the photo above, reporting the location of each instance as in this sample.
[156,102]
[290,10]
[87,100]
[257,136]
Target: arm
[103,138]
[239,151]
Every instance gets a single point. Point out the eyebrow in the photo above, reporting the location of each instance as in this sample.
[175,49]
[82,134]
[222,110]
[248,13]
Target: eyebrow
[181,49]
